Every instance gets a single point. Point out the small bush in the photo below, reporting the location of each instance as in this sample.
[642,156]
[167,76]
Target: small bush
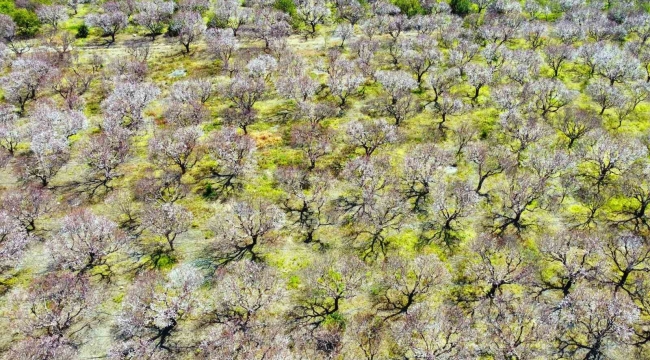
[217,22]
[173,30]
[286,6]
[460,7]
[82,31]
[27,22]
[209,193]
[408,7]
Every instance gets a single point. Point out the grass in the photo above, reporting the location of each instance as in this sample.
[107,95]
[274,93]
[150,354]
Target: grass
[289,255]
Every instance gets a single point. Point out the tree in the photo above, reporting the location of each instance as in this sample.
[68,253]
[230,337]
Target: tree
[636,192]
[10,33]
[520,196]
[616,65]
[587,55]
[639,24]
[72,86]
[243,227]
[567,260]
[52,14]
[110,22]
[269,25]
[26,79]
[49,152]
[167,221]
[223,44]
[240,318]
[178,148]
[297,83]
[491,267]
[344,32]
[326,285]
[548,95]
[593,202]
[478,77]
[371,136]
[628,255]
[315,112]
[189,27]
[396,24]
[502,28]
[463,54]
[314,140]
[514,329]
[368,178]
[557,55]
[509,99]
[343,79]
[383,214]
[28,205]
[349,10]
[442,81]
[306,201]
[575,123]
[462,135]
[489,162]
[521,133]
[448,105]
[152,310]
[262,66]
[235,156]
[244,91]
[451,203]
[125,69]
[535,33]
[187,100]
[522,66]
[641,52]
[311,13]
[633,95]
[139,51]
[10,134]
[367,335]
[405,283]
[399,102]
[153,15]
[605,95]
[103,154]
[7,28]
[53,315]
[421,171]
[422,57]
[591,324]
[440,333]
[605,157]
[13,242]
[200,6]
[160,188]
[365,54]
[60,46]
[251,289]
[232,15]
[85,241]
[397,48]
[424,23]
[125,105]
[46,116]
[72,5]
